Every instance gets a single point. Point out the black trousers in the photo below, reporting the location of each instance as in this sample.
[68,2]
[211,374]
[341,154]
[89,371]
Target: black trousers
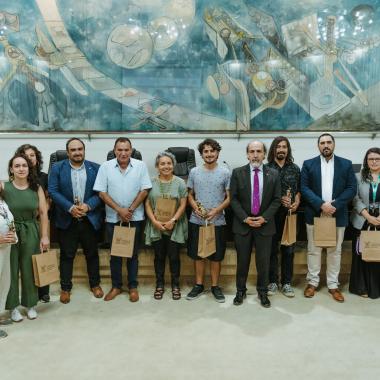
[84,233]
[287,252]
[162,248]
[244,245]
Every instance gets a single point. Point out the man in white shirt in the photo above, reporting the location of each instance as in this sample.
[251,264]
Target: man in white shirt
[123,184]
[328,183]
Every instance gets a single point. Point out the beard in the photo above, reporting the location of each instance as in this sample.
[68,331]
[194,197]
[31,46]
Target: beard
[281,156]
[327,153]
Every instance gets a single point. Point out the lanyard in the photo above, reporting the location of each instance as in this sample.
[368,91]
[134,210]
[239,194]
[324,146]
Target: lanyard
[375,185]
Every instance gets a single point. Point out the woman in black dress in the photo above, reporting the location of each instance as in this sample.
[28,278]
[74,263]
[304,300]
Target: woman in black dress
[365,276]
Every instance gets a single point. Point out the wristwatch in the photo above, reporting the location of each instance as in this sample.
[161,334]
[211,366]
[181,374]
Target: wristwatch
[174,220]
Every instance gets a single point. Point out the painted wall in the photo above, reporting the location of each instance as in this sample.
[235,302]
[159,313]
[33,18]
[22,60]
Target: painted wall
[304,145]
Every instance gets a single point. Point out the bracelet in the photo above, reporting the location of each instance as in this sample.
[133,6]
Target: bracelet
[173,220]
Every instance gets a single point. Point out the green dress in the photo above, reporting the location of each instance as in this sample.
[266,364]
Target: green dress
[177,190]
[23,205]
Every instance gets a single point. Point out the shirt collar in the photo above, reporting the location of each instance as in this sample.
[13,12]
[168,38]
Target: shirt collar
[260,167]
[324,161]
[74,168]
[118,166]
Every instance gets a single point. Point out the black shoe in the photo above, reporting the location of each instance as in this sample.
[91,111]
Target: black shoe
[45,298]
[240,295]
[218,294]
[195,292]
[264,300]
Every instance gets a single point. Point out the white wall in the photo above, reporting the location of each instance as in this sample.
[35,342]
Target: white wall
[304,145]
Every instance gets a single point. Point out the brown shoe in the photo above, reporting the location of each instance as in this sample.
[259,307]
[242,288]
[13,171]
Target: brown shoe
[65,296]
[98,292]
[133,295]
[309,291]
[337,295]
[114,292]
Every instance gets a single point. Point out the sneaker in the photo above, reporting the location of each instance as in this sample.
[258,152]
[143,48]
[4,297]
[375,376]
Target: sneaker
[3,334]
[195,292]
[218,294]
[32,313]
[287,290]
[272,289]
[16,316]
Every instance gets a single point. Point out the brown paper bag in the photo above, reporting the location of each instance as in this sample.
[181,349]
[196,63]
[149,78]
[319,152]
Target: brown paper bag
[165,209]
[369,246]
[324,232]
[289,234]
[123,241]
[45,268]
[206,242]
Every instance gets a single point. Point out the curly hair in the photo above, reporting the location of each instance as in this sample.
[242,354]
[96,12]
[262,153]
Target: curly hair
[32,177]
[366,172]
[211,142]
[23,148]
[273,147]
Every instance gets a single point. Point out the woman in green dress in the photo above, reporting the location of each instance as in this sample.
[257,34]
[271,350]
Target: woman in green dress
[167,236]
[26,200]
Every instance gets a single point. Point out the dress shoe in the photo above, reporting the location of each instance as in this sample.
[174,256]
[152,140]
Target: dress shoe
[97,291]
[114,292]
[309,291]
[133,295]
[264,300]
[238,300]
[337,295]
[65,296]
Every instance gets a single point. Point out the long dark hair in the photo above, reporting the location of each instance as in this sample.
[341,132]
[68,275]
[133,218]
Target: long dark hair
[23,148]
[366,172]
[272,150]
[32,178]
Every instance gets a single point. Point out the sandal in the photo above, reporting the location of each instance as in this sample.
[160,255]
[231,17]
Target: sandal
[176,294]
[158,293]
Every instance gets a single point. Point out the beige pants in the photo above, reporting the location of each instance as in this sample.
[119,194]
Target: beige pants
[5,274]
[333,256]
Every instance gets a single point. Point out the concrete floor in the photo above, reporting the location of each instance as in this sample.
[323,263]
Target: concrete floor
[296,339]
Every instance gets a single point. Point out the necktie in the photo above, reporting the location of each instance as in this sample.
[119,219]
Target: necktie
[255,208]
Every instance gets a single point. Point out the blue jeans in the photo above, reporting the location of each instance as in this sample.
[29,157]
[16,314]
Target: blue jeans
[132,263]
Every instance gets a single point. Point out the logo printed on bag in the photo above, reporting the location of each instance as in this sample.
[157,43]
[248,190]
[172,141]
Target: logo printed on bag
[47,268]
[119,240]
[371,245]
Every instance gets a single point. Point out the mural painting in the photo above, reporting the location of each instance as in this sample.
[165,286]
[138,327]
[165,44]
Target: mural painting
[187,65]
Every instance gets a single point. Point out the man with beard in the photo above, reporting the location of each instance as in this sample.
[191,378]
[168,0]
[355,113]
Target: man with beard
[77,215]
[280,158]
[209,195]
[328,183]
[255,199]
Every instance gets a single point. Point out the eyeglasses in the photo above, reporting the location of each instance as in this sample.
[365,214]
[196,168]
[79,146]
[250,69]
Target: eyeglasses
[377,159]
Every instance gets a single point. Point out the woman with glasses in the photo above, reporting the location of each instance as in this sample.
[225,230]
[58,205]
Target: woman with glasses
[365,276]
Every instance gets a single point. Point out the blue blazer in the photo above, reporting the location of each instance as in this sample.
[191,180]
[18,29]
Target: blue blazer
[344,188]
[60,190]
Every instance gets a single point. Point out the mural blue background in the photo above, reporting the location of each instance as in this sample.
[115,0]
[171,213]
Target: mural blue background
[182,65]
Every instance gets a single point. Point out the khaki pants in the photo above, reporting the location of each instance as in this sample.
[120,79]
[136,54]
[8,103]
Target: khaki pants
[332,259]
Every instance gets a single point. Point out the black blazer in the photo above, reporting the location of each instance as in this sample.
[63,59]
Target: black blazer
[241,190]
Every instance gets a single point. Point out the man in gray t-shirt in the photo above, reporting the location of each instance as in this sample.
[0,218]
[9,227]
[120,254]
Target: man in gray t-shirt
[209,195]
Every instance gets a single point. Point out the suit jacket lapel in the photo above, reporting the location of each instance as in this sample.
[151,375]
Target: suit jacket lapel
[336,171]
[318,166]
[89,173]
[67,177]
[266,180]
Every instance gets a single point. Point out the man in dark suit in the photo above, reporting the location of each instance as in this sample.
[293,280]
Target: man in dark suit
[77,215]
[255,198]
[328,183]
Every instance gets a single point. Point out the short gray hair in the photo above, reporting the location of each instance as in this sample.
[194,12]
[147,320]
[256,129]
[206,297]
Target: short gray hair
[165,154]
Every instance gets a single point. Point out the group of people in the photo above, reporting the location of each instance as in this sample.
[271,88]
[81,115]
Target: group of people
[260,196]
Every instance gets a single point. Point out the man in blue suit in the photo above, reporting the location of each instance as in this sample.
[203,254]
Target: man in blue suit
[77,215]
[328,183]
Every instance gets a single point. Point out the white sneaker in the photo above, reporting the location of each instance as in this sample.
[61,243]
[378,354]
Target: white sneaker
[272,289]
[32,313]
[16,316]
[287,291]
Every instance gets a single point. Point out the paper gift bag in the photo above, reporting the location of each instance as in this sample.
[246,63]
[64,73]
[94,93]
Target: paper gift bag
[123,241]
[369,245]
[165,209]
[206,242]
[324,232]
[45,268]
[289,234]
